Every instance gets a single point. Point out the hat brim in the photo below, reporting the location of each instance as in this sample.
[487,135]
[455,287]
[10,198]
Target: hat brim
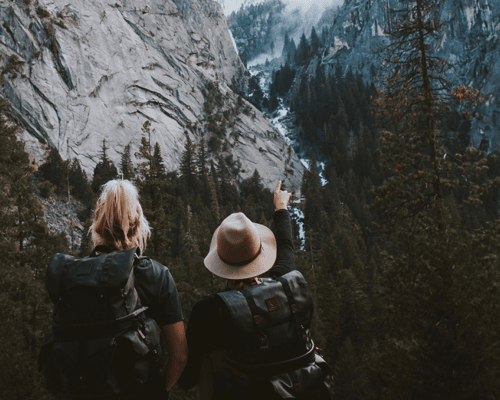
[261,264]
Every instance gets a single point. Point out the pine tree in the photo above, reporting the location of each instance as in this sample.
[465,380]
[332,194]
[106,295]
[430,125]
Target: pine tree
[302,53]
[80,187]
[126,165]
[153,187]
[201,159]
[55,171]
[433,270]
[311,189]
[292,51]
[26,246]
[202,175]
[104,170]
[315,43]
[286,46]
[159,167]
[188,169]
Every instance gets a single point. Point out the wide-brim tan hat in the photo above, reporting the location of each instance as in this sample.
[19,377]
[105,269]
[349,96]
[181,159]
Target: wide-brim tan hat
[241,249]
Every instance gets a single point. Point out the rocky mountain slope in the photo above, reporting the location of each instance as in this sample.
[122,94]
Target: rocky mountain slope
[82,71]
[470,42]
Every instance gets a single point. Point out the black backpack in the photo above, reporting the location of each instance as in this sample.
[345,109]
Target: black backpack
[268,340]
[101,343]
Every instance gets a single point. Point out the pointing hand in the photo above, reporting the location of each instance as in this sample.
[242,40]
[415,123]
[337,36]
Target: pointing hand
[281,198]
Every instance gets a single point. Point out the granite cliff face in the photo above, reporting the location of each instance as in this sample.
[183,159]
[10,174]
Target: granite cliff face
[82,71]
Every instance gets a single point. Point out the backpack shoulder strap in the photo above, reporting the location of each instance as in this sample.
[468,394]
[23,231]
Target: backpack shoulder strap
[299,326]
[54,272]
[238,309]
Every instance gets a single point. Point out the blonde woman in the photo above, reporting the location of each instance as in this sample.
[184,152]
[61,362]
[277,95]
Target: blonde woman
[119,224]
[105,342]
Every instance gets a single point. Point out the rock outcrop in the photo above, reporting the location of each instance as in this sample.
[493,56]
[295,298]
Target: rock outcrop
[470,41]
[62,216]
[82,71]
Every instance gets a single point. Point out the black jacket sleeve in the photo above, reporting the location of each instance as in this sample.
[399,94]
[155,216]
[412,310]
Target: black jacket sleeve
[285,258]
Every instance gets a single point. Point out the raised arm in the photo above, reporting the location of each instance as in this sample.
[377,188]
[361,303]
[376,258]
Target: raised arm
[285,258]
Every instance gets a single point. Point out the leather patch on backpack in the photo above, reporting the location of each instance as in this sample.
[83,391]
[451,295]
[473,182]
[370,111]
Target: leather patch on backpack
[273,304]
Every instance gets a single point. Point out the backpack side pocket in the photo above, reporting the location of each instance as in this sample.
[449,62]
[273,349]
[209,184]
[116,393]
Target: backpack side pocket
[145,355]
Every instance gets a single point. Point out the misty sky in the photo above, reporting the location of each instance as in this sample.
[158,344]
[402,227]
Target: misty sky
[232,5]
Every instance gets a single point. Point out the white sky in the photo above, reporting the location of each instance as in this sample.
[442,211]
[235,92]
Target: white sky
[231,5]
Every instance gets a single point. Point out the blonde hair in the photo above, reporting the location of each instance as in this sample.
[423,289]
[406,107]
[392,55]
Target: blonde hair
[118,218]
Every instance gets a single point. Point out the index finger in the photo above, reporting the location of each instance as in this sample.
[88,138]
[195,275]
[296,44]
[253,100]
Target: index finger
[278,187]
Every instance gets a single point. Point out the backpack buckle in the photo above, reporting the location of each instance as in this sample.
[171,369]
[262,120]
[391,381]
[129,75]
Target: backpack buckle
[264,344]
[303,334]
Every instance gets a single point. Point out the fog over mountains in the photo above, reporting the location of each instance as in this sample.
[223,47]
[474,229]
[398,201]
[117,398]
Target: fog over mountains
[356,29]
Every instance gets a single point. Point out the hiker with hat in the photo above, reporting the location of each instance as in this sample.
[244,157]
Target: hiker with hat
[252,339]
[110,309]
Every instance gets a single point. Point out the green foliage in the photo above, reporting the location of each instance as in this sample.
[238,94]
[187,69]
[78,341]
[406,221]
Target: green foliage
[245,22]
[79,184]
[315,42]
[405,294]
[304,51]
[104,170]
[152,185]
[282,80]
[13,67]
[55,171]
[42,12]
[434,259]
[255,94]
[47,189]
[126,165]
[188,166]
[26,247]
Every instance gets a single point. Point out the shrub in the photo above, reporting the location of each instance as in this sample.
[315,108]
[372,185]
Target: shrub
[47,189]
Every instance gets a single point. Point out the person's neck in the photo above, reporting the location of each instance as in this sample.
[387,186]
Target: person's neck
[243,283]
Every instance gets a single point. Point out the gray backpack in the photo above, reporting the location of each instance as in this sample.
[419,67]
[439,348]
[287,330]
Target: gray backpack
[268,341]
[101,342]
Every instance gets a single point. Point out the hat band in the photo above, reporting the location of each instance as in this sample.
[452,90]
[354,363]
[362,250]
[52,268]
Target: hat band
[241,263]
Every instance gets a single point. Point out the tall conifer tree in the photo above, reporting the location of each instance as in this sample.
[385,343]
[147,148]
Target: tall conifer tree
[433,270]
[126,165]
[153,185]
[26,247]
[315,43]
[104,170]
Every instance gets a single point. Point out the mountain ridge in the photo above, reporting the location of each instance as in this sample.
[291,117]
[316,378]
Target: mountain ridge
[93,70]
[470,42]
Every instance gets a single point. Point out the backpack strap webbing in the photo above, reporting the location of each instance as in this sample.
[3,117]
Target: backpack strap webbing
[53,277]
[301,330]
[257,319]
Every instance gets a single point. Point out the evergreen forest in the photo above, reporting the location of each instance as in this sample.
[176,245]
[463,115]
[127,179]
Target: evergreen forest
[401,245]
